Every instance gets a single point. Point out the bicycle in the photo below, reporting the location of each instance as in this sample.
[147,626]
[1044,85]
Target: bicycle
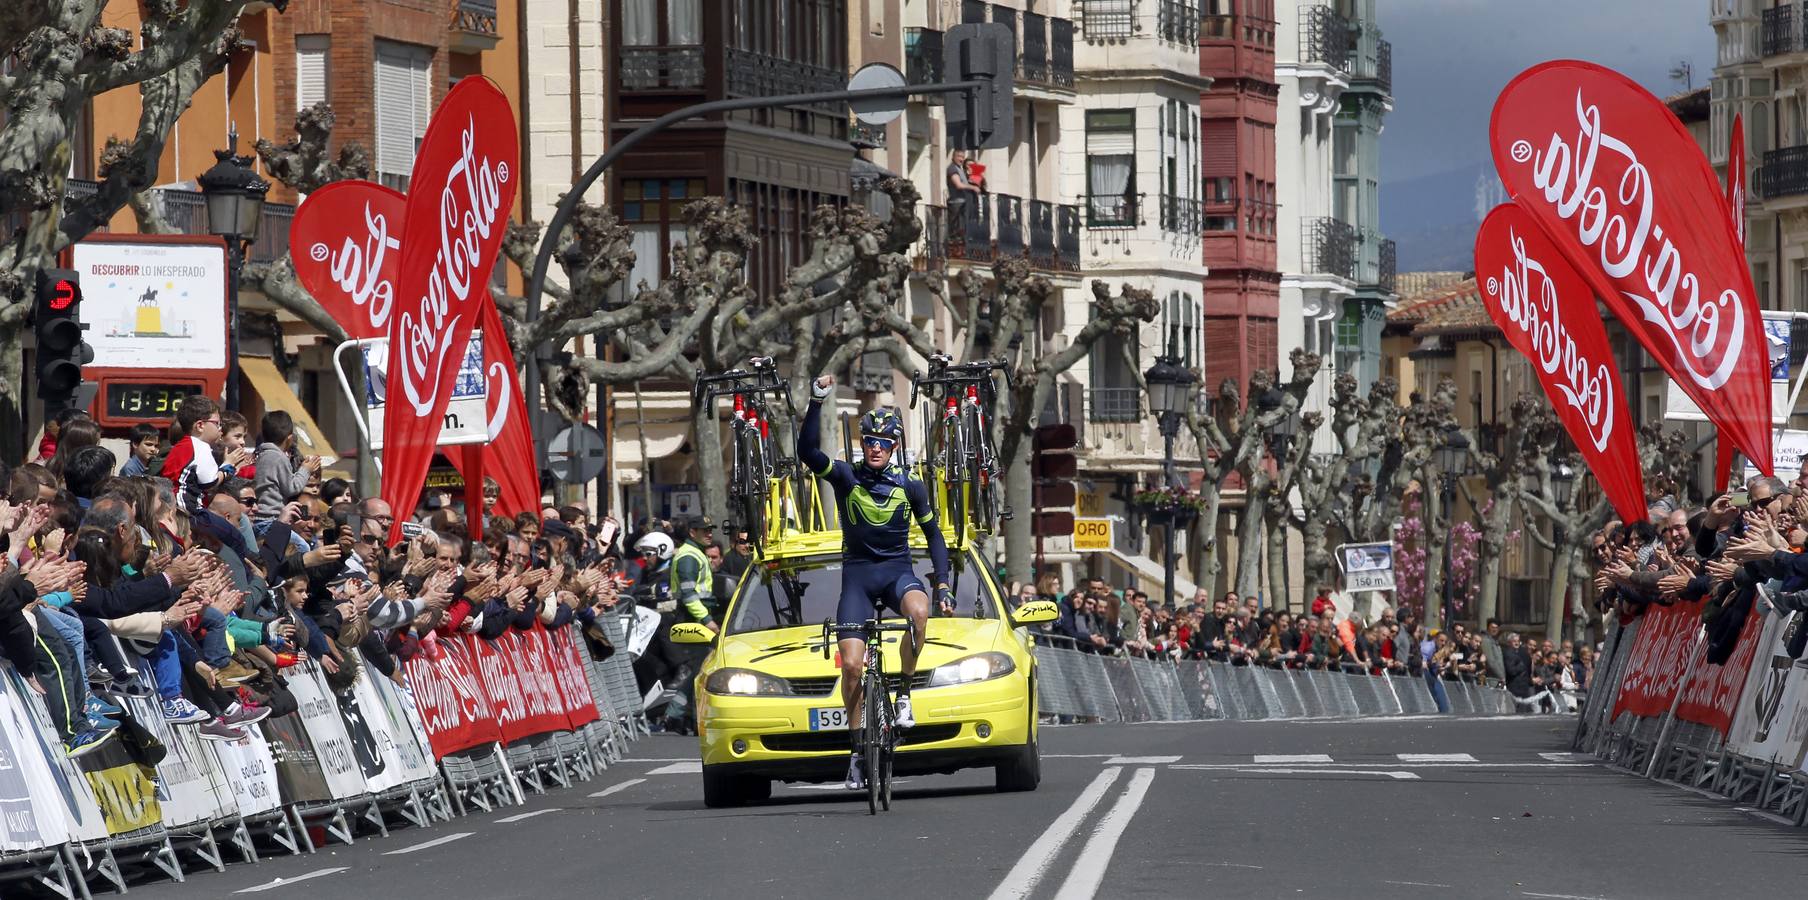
[757,459]
[878,713]
[959,444]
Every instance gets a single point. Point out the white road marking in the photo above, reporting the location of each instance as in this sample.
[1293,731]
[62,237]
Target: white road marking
[1141,760]
[1567,757]
[616,788]
[1397,776]
[1078,755]
[1266,759]
[1451,765]
[669,760]
[430,844]
[317,873]
[1768,816]
[1562,896]
[684,767]
[526,815]
[1229,865]
[1088,872]
[1417,884]
[1434,757]
[1028,871]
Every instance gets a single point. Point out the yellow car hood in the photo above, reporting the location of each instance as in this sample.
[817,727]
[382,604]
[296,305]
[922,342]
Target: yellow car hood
[797,652]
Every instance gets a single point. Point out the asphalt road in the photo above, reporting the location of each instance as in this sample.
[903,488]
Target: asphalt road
[1404,808]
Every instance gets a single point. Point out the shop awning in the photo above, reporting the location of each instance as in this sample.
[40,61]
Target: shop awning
[663,439]
[1148,574]
[275,394]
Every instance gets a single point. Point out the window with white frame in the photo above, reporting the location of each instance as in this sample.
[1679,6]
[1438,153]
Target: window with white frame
[404,100]
[1111,167]
[312,82]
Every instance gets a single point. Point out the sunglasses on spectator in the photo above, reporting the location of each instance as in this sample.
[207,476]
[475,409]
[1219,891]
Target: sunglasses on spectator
[878,443]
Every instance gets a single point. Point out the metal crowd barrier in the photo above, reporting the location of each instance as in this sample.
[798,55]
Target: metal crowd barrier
[1077,683]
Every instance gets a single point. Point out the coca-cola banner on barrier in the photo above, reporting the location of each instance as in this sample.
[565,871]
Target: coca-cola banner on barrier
[1770,723]
[460,192]
[451,703]
[1548,314]
[1661,653]
[1712,692]
[1623,190]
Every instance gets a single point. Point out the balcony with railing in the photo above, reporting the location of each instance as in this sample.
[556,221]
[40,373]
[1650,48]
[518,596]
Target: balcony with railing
[1324,37]
[1067,238]
[1009,226]
[1782,29]
[1178,21]
[1328,247]
[1113,211]
[864,136]
[661,68]
[1376,70]
[1032,49]
[1061,52]
[1784,173]
[1106,20]
[1114,404]
[1181,215]
[932,247]
[473,26]
[969,232]
[1042,234]
[1389,266]
[758,75]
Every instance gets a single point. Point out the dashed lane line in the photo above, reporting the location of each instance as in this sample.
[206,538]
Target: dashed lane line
[617,788]
[281,882]
[428,845]
[1435,757]
[1027,873]
[520,817]
[682,767]
[1290,758]
[1142,760]
[1397,776]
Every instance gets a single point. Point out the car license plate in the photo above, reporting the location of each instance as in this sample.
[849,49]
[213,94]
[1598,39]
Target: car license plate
[834,719]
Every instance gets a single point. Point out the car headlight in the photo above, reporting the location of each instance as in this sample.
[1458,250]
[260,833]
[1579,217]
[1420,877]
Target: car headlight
[745,682]
[979,667]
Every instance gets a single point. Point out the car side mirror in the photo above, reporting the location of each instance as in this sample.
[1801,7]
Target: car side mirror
[1035,612]
[691,633]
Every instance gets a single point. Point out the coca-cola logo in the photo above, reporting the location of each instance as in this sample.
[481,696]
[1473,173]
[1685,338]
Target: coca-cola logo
[1621,225]
[470,202]
[1589,386]
[357,266]
[346,244]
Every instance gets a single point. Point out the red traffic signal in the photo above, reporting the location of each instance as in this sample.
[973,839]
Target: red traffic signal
[64,294]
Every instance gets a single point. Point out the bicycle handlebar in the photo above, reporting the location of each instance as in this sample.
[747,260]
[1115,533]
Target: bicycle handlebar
[944,372]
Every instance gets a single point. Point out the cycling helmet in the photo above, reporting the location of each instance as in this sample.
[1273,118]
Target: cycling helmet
[883,423]
[657,544]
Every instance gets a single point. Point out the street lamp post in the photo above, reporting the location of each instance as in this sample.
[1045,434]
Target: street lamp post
[1452,455]
[1563,486]
[1170,390]
[235,207]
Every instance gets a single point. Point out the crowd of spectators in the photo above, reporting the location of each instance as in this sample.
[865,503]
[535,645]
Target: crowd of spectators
[203,568]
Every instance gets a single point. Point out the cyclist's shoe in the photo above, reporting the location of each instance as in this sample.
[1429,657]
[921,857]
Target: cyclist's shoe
[856,777]
[906,719]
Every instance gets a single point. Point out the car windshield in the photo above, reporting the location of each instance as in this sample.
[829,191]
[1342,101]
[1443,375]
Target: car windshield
[806,592]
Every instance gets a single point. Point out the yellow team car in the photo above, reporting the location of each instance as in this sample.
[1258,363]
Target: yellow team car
[769,702]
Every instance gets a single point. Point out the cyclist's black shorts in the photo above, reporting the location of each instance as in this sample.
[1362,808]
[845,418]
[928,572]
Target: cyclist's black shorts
[864,584]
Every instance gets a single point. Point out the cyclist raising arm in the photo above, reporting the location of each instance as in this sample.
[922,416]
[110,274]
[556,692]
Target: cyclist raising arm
[877,500]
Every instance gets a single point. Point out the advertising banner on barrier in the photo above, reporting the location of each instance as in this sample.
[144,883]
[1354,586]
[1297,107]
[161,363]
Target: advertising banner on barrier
[515,679]
[326,732]
[568,668]
[251,771]
[1660,653]
[402,744]
[52,774]
[298,775]
[23,826]
[190,785]
[451,703]
[1712,691]
[1771,723]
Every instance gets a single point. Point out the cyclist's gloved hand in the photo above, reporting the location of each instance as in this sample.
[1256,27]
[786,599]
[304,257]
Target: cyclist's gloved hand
[944,600]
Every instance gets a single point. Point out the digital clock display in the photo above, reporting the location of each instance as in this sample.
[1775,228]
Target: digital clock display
[147,401]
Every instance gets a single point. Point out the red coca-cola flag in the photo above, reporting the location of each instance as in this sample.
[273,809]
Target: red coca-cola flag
[1548,314]
[1623,191]
[459,196]
[345,243]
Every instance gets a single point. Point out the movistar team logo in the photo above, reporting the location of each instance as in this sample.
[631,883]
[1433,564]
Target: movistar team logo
[862,505]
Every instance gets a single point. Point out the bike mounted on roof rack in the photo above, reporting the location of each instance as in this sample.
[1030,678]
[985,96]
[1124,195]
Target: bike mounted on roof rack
[759,461]
[958,450]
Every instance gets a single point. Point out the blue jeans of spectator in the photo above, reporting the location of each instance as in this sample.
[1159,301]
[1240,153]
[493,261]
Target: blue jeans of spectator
[215,651]
[166,665]
[1436,685]
[70,629]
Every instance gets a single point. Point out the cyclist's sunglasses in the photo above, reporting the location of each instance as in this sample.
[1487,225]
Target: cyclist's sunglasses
[878,443]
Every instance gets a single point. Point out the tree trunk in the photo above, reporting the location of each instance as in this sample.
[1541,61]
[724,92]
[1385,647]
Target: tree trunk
[1249,546]
[1436,535]
[12,398]
[1493,547]
[1320,567]
[1202,542]
[1278,595]
[1019,541]
[1559,603]
[706,447]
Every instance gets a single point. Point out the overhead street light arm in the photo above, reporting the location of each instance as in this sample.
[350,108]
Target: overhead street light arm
[568,204]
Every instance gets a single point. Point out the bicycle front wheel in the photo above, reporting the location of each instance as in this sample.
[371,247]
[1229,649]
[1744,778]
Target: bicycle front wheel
[876,726]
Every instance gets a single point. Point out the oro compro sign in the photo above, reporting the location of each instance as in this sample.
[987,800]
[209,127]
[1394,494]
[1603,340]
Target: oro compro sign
[1092,534]
[1367,567]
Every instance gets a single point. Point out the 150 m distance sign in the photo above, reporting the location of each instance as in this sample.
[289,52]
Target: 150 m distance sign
[1367,567]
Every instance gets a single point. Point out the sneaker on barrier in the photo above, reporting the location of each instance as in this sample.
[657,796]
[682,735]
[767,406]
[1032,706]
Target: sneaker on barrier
[178,711]
[96,708]
[218,730]
[245,714]
[906,719]
[86,742]
[236,673]
[856,776]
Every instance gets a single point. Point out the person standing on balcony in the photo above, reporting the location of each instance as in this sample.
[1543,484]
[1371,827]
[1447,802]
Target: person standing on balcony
[963,194]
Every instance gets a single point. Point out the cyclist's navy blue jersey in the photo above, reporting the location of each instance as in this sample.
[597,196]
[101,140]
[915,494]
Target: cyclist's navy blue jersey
[876,505]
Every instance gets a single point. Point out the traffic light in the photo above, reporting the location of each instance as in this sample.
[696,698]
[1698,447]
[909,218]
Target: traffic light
[1053,467]
[980,119]
[61,350]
